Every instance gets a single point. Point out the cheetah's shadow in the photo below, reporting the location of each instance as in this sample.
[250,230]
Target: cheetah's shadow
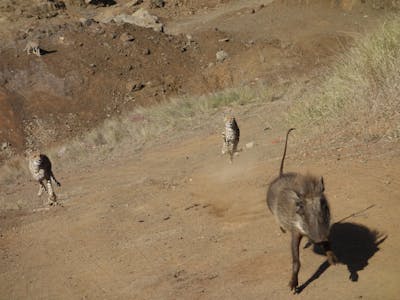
[45,52]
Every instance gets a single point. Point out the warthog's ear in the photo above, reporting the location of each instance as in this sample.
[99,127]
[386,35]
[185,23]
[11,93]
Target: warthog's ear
[321,185]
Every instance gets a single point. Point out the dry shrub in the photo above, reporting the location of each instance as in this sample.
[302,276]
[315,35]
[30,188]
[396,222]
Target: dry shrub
[360,97]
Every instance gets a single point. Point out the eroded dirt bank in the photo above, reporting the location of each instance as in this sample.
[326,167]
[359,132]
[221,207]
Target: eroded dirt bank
[92,68]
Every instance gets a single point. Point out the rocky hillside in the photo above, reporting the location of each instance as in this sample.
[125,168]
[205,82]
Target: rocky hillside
[103,58]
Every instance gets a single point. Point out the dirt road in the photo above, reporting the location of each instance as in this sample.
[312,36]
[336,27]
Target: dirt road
[177,221]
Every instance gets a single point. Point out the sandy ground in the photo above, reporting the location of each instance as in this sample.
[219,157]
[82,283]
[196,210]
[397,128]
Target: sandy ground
[177,221]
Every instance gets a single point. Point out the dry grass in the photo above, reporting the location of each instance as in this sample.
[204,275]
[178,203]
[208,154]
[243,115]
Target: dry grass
[360,97]
[385,4]
[148,124]
[140,126]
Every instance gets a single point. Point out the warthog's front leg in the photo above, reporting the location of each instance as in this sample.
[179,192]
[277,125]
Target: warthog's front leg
[296,238]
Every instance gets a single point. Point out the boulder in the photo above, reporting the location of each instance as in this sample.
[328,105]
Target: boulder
[140,18]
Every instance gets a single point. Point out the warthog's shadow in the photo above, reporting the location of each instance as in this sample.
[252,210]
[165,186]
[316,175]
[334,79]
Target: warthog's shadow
[353,245]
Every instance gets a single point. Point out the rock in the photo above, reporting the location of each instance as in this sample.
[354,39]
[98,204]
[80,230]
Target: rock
[221,55]
[249,145]
[5,145]
[224,40]
[189,38]
[74,3]
[140,18]
[134,86]
[126,37]
[51,14]
[101,2]
[144,19]
[43,9]
[133,3]
[86,22]
[157,3]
